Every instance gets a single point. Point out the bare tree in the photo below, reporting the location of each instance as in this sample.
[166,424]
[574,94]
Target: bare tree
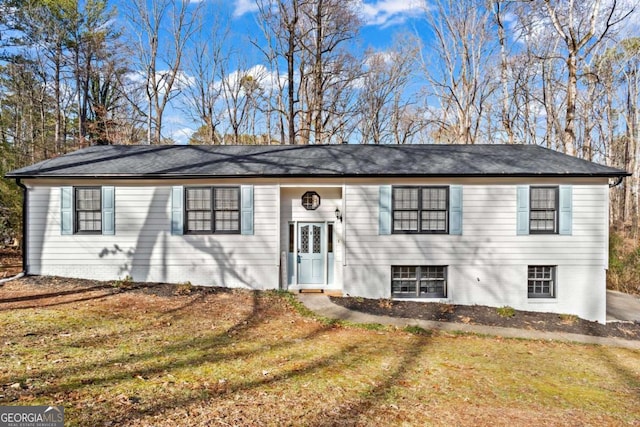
[280,26]
[326,26]
[618,121]
[306,37]
[458,68]
[499,10]
[382,100]
[46,32]
[240,91]
[205,62]
[581,26]
[155,52]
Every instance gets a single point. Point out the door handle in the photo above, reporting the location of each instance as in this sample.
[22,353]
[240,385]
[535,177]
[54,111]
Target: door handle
[299,259]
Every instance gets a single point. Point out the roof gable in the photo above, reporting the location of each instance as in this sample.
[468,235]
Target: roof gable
[171,161]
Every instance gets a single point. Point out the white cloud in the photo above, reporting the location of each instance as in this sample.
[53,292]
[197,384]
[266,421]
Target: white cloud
[243,7]
[181,135]
[266,79]
[385,13]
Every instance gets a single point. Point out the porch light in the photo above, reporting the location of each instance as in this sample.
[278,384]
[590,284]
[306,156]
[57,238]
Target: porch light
[338,215]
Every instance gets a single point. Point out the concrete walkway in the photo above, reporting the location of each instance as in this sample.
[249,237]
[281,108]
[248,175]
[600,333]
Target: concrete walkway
[622,307]
[322,305]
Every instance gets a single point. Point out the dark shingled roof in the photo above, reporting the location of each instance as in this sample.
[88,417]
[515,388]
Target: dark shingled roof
[189,161]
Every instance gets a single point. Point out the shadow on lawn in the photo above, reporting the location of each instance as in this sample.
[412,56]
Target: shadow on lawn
[210,348]
[628,375]
[349,355]
[54,295]
[348,413]
[222,340]
[218,347]
[108,290]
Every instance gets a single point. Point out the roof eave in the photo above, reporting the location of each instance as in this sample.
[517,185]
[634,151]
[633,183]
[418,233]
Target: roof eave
[307,175]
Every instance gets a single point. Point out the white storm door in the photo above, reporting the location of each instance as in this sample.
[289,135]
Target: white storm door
[311,253]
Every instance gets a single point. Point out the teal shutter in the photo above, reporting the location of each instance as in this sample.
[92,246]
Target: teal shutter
[384,210]
[246,204]
[455,209]
[108,210]
[565,217]
[177,200]
[523,210]
[66,210]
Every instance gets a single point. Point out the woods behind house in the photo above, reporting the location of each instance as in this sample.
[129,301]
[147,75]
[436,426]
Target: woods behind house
[562,74]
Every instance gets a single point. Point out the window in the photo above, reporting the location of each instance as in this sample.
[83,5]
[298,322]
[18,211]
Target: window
[291,237]
[420,209]
[88,210]
[543,217]
[311,200]
[541,281]
[212,210]
[419,281]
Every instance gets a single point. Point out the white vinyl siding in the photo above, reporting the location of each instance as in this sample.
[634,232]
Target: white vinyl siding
[144,247]
[488,262]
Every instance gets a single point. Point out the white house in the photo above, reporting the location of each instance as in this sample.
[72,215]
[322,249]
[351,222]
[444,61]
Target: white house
[493,225]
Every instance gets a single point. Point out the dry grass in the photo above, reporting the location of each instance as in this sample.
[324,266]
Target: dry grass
[244,358]
[623,274]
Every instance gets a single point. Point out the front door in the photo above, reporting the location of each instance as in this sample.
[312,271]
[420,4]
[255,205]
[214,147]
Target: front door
[310,253]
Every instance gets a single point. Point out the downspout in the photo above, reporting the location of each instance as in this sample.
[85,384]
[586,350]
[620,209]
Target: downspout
[24,235]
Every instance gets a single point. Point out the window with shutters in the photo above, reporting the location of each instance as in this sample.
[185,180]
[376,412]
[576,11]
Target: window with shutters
[420,210]
[212,210]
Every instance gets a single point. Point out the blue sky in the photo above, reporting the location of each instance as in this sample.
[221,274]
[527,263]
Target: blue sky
[380,20]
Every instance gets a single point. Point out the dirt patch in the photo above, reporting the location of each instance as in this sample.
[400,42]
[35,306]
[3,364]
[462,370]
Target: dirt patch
[10,262]
[44,291]
[489,316]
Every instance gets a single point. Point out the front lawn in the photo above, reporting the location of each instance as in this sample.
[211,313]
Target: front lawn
[147,357]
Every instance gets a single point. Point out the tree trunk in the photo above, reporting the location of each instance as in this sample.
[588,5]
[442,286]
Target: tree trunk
[569,135]
[319,71]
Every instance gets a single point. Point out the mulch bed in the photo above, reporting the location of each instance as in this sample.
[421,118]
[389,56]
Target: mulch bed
[59,287]
[482,315]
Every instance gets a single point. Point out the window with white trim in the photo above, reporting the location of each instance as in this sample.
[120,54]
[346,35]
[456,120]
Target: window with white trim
[419,281]
[88,210]
[543,215]
[420,210]
[541,281]
[212,210]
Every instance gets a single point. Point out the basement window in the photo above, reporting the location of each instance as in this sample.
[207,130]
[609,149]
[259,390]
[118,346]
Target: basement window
[419,281]
[541,281]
